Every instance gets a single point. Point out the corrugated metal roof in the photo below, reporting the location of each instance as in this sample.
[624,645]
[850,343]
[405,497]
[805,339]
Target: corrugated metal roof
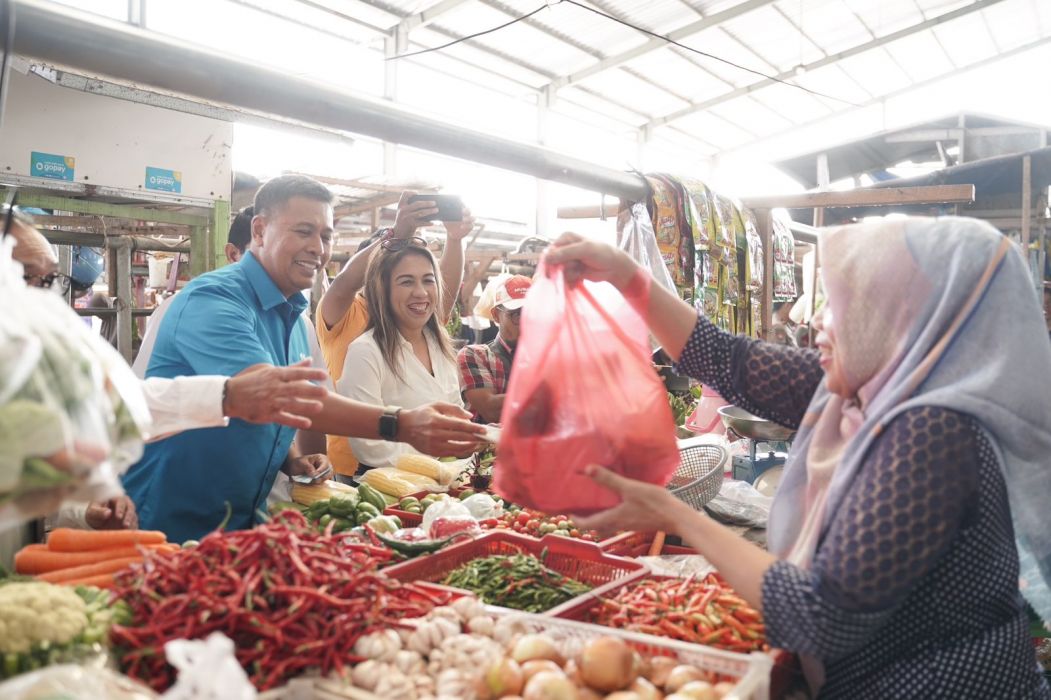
[855,52]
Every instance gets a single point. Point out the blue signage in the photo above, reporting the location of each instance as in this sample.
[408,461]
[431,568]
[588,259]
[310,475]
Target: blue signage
[163,180]
[51,166]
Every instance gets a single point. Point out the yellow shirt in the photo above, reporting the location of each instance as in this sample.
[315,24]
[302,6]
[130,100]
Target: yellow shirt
[334,343]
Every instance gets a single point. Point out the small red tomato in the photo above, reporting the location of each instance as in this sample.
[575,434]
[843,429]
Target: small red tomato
[574,533]
[523,518]
[533,524]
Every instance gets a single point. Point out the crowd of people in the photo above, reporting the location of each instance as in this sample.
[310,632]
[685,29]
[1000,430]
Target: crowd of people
[913,500]
[247,391]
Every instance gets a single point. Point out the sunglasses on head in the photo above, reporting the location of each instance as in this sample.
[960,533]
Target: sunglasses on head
[396,244]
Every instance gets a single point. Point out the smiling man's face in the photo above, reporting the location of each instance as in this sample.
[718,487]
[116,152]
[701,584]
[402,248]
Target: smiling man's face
[294,243]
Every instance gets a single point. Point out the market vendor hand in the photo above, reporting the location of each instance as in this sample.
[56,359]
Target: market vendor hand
[643,507]
[591,260]
[440,430]
[410,217]
[114,514]
[317,467]
[267,394]
[458,230]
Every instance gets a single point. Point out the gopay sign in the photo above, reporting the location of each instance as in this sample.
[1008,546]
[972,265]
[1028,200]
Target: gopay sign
[51,166]
[163,180]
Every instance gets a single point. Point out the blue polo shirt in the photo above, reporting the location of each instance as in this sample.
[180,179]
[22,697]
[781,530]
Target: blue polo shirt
[221,323]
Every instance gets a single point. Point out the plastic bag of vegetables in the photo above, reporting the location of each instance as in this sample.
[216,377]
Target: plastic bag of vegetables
[72,415]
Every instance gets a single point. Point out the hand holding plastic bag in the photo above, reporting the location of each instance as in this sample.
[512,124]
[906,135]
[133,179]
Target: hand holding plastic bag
[582,392]
[71,410]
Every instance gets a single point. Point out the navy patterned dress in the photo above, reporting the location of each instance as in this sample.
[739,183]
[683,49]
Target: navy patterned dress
[913,591]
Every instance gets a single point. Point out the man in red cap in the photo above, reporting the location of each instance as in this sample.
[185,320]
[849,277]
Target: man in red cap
[486,369]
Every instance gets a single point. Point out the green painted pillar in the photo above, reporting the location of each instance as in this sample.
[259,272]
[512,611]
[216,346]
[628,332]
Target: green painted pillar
[220,231]
[201,255]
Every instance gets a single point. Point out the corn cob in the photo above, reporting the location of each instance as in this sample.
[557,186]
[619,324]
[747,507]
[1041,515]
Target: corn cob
[306,494]
[420,464]
[392,482]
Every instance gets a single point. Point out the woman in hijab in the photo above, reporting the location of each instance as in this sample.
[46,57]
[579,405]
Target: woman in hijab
[924,429]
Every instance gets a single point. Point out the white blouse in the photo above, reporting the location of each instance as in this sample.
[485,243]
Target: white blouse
[367,378]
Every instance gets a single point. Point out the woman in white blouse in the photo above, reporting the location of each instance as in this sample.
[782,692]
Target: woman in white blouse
[405,357]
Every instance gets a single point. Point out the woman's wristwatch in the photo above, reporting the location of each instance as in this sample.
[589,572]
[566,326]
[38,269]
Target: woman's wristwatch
[388,427]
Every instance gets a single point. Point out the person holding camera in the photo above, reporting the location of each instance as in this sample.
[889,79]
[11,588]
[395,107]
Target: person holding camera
[343,315]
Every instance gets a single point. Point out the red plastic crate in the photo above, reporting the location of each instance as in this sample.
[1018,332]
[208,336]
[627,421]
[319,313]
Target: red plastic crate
[579,560]
[637,544]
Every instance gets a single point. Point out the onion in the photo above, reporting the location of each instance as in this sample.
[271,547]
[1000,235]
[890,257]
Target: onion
[624,695]
[572,671]
[585,693]
[504,678]
[698,690]
[531,668]
[723,688]
[608,664]
[536,646]
[548,685]
[660,667]
[680,676]
[646,690]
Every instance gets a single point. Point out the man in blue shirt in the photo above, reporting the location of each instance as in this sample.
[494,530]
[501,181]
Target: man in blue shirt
[246,314]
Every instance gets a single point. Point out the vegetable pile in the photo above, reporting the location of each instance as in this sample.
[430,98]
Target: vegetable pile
[88,558]
[518,581]
[700,612]
[535,523]
[42,624]
[289,598]
[461,651]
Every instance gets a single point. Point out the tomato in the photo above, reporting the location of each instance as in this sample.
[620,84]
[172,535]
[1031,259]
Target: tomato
[574,533]
[522,518]
[533,524]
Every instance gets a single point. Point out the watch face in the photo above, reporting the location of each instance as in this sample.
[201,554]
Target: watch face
[388,426]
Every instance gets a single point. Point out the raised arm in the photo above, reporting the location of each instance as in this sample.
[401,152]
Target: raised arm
[771,381]
[341,292]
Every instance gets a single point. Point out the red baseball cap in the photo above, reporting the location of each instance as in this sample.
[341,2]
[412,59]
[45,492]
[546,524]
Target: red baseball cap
[511,294]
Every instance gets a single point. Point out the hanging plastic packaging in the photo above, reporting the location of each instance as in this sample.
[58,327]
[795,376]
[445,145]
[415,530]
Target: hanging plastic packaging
[583,392]
[72,413]
[636,238]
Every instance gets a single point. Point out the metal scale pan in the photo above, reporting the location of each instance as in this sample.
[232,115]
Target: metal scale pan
[763,472]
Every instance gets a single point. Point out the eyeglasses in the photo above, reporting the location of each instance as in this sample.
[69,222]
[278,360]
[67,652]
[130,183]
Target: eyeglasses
[48,281]
[395,244]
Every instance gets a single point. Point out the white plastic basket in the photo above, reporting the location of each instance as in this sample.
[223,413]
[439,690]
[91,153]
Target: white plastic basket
[750,671]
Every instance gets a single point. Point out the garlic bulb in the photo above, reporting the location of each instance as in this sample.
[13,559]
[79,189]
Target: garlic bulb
[482,624]
[468,607]
[378,645]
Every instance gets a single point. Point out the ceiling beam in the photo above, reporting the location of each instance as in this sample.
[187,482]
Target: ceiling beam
[892,95]
[653,44]
[829,60]
[422,19]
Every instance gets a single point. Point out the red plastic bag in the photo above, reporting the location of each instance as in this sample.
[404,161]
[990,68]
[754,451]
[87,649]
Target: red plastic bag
[583,392]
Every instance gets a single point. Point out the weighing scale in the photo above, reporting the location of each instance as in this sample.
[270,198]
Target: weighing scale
[768,445]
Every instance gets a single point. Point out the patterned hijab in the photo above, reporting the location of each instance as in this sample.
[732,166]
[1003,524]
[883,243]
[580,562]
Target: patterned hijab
[927,312]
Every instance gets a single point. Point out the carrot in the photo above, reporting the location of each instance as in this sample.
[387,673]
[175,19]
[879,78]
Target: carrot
[35,561]
[75,572]
[65,539]
[100,581]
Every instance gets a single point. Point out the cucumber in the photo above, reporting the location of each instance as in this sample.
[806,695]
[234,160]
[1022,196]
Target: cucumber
[412,548]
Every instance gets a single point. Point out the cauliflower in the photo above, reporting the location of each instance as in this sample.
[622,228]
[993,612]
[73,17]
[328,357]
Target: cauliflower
[35,612]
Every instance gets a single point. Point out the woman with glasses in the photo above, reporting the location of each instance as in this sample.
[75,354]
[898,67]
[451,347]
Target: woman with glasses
[405,357]
[485,370]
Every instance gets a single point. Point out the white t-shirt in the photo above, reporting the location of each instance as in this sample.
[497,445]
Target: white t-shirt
[367,378]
